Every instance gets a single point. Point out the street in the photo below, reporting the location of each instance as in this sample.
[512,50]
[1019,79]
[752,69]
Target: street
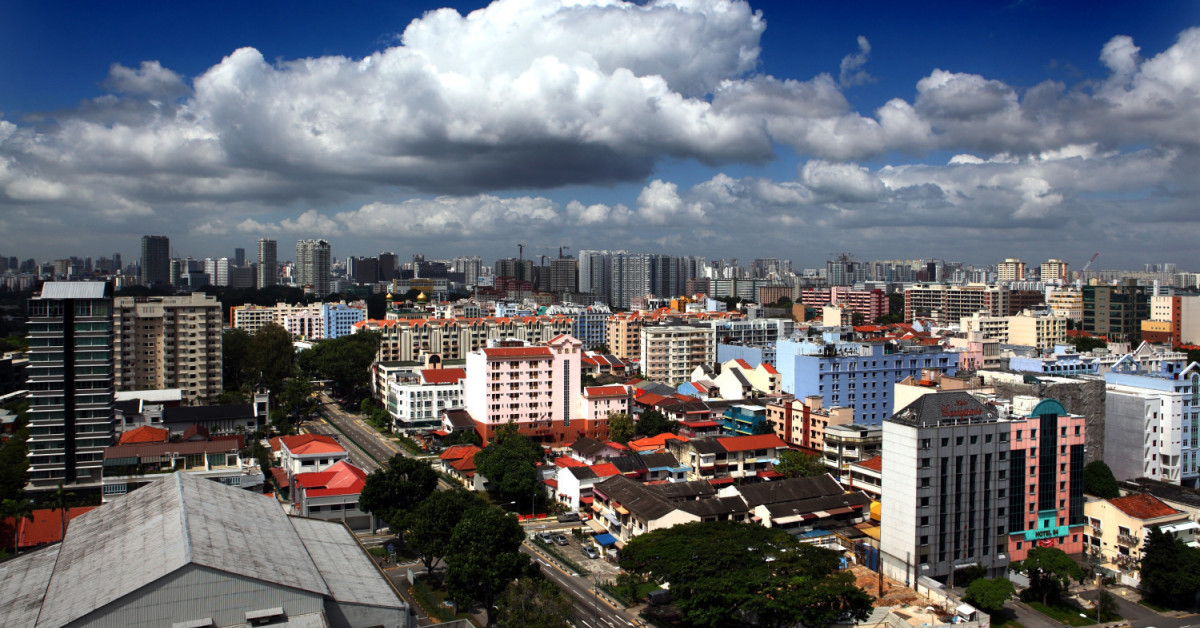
[589,610]
[1140,616]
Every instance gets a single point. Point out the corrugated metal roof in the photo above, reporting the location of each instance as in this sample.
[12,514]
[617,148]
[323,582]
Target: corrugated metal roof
[158,529]
[22,584]
[74,290]
[347,571]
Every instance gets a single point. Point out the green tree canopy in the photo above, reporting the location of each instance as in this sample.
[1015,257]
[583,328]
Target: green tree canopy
[990,594]
[429,527]
[271,357]
[16,509]
[1098,480]
[345,361]
[398,488]
[485,557]
[763,427]
[236,363]
[620,427]
[61,499]
[534,602]
[510,465]
[1050,572]
[653,423]
[1170,570]
[14,458]
[1087,343]
[797,464]
[296,398]
[725,573]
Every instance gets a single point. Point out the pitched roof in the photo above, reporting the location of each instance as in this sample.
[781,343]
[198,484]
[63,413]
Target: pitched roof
[949,407]
[604,470]
[654,443]
[307,444]
[615,390]
[769,369]
[458,452]
[752,442]
[184,448]
[460,419]
[341,478]
[443,376]
[789,490]
[874,464]
[1143,506]
[636,497]
[145,434]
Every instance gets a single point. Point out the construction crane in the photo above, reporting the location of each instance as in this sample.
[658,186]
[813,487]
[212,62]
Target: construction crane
[1089,262]
[544,258]
[560,250]
[521,252]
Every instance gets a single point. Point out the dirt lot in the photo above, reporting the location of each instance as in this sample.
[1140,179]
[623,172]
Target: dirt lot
[895,594]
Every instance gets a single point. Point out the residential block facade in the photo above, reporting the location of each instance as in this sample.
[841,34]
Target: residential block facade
[168,342]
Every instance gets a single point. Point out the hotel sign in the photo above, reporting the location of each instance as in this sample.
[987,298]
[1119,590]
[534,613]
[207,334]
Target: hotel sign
[962,408]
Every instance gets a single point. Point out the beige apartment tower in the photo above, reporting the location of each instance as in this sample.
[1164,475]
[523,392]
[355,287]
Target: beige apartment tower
[168,342]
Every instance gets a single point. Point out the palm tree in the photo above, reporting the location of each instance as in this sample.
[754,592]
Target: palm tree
[61,500]
[18,509]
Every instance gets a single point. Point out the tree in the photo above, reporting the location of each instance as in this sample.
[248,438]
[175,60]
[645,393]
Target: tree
[296,399]
[534,602]
[1170,570]
[797,464]
[272,357]
[14,461]
[1087,343]
[236,361]
[465,437]
[1106,605]
[653,423]
[1098,480]
[398,488]
[345,362]
[1050,572]
[620,427]
[762,428]
[484,557]
[510,465]
[61,500]
[16,509]
[724,573]
[429,528]
[990,594]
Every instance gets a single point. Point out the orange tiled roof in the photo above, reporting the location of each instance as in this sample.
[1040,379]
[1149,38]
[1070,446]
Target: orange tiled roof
[46,526]
[145,434]
[606,391]
[342,478]
[518,352]
[1143,506]
[605,469]
[874,464]
[458,452]
[443,376]
[311,444]
[770,369]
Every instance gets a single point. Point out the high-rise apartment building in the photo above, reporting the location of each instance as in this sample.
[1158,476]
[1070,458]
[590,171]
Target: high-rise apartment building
[946,305]
[156,261]
[217,271]
[239,257]
[594,270]
[168,342]
[563,275]
[1010,270]
[1152,422]
[470,267]
[672,349]
[519,269]
[268,264]
[70,381]
[313,259]
[1116,312]
[1055,271]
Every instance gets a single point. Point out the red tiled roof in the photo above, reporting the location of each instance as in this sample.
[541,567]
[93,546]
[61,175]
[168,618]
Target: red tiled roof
[654,442]
[567,461]
[744,364]
[311,444]
[1143,506]
[443,376]
[518,352]
[874,464]
[605,470]
[747,443]
[770,369]
[695,424]
[46,526]
[279,475]
[145,434]
[606,391]
[274,442]
[458,452]
[342,478]
[467,462]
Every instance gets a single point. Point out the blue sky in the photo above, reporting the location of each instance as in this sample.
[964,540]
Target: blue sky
[969,131]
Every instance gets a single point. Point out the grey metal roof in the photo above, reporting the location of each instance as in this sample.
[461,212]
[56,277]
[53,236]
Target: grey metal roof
[677,491]
[713,507]
[791,489]
[112,551]
[74,290]
[195,414]
[23,584]
[348,572]
[637,498]
[817,504]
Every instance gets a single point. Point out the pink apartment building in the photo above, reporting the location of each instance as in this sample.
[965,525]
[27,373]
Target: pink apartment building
[1045,479]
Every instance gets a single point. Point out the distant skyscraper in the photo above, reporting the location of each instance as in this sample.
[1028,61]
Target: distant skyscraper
[156,261]
[387,266]
[1010,270]
[312,265]
[70,383]
[239,257]
[268,266]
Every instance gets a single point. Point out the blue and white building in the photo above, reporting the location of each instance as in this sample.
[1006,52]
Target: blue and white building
[858,375]
[1064,361]
[1152,422]
[339,318]
[591,322]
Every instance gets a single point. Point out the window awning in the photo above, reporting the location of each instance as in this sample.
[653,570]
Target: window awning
[605,539]
[721,481]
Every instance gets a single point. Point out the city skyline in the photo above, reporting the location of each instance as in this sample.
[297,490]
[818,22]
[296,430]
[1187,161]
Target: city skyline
[720,129]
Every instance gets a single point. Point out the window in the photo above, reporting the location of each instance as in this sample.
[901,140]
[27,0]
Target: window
[924,463]
[924,521]
[924,501]
[946,441]
[1019,432]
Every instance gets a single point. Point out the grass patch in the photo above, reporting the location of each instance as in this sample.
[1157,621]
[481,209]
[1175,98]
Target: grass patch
[377,552]
[409,445]
[1154,607]
[553,551]
[432,598]
[617,593]
[1069,614]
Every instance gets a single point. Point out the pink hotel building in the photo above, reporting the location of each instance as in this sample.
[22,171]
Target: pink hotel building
[538,388]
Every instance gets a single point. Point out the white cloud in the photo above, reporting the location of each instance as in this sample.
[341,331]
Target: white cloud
[151,80]
[851,69]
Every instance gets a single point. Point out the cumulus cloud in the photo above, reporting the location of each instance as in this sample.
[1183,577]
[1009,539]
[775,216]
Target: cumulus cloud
[151,80]
[852,73]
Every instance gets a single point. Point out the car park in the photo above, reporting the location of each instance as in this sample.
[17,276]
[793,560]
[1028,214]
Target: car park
[546,538]
[560,539]
[590,551]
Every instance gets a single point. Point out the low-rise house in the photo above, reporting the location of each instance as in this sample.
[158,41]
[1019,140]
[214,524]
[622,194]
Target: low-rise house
[801,505]
[743,419]
[132,466]
[651,468]
[574,483]
[847,444]
[802,422]
[866,476]
[592,451]
[458,462]
[626,508]
[45,528]
[1117,530]
[699,428]
[228,419]
[726,459]
[653,444]
[144,434]
[306,453]
[332,495]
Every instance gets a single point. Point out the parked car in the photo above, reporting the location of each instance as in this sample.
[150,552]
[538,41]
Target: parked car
[546,537]
[590,552]
[560,539]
